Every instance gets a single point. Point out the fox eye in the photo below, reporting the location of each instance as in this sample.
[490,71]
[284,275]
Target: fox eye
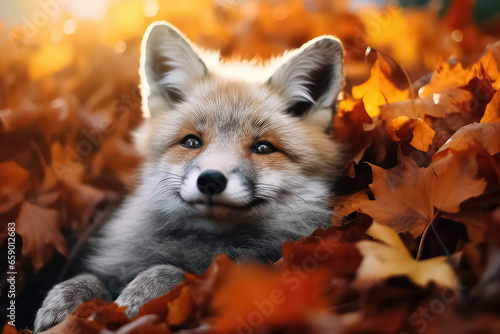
[263,147]
[191,141]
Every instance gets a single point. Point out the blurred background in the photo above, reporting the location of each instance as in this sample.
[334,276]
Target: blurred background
[69,98]
[414,32]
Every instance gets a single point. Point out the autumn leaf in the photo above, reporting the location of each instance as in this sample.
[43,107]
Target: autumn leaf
[453,180]
[66,163]
[93,317]
[82,201]
[485,134]
[8,329]
[437,105]
[492,111]
[379,89]
[423,135]
[326,249]
[489,67]
[390,258]
[181,308]
[276,297]
[352,127]
[13,179]
[40,230]
[188,302]
[446,77]
[417,131]
[397,201]
[342,206]
[407,195]
[117,155]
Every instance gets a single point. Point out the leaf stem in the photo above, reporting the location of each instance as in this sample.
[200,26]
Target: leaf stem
[424,234]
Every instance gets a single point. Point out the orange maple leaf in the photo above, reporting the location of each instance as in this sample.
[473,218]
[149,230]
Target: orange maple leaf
[447,76]
[406,196]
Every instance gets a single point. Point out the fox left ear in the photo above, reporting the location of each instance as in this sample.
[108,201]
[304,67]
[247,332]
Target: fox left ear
[311,79]
[169,66]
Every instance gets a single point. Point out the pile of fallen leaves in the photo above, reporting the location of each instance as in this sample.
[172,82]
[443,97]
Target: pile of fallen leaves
[415,241]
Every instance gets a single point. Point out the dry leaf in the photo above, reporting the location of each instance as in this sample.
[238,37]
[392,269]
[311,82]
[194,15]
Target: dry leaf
[445,77]
[277,297]
[485,134]
[390,258]
[448,77]
[13,180]
[437,105]
[379,89]
[407,195]
[40,230]
[8,329]
[423,135]
[489,67]
[492,112]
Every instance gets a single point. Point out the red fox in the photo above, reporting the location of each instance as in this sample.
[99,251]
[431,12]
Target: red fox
[238,160]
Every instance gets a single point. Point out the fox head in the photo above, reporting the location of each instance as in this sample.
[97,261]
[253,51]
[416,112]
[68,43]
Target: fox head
[238,147]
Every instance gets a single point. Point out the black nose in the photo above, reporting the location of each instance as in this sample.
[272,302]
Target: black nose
[211,182]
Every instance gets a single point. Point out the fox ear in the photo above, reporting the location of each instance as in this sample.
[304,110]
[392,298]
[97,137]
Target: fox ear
[169,65]
[311,79]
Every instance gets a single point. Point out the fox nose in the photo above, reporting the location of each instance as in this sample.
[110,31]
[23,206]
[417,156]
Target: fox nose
[211,182]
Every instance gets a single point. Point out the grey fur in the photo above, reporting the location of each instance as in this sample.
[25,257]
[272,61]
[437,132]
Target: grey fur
[65,297]
[159,280]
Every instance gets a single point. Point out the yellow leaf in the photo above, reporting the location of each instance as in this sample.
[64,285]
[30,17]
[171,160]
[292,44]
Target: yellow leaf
[379,89]
[391,258]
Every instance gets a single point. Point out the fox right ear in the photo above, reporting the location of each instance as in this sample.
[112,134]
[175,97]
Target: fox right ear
[311,78]
[169,66]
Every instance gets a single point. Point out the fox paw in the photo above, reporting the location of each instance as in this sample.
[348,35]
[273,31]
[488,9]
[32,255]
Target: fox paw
[65,298]
[148,285]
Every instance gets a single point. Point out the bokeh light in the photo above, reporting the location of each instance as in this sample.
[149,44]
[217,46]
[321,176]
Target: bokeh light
[88,9]
[151,8]
[69,26]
